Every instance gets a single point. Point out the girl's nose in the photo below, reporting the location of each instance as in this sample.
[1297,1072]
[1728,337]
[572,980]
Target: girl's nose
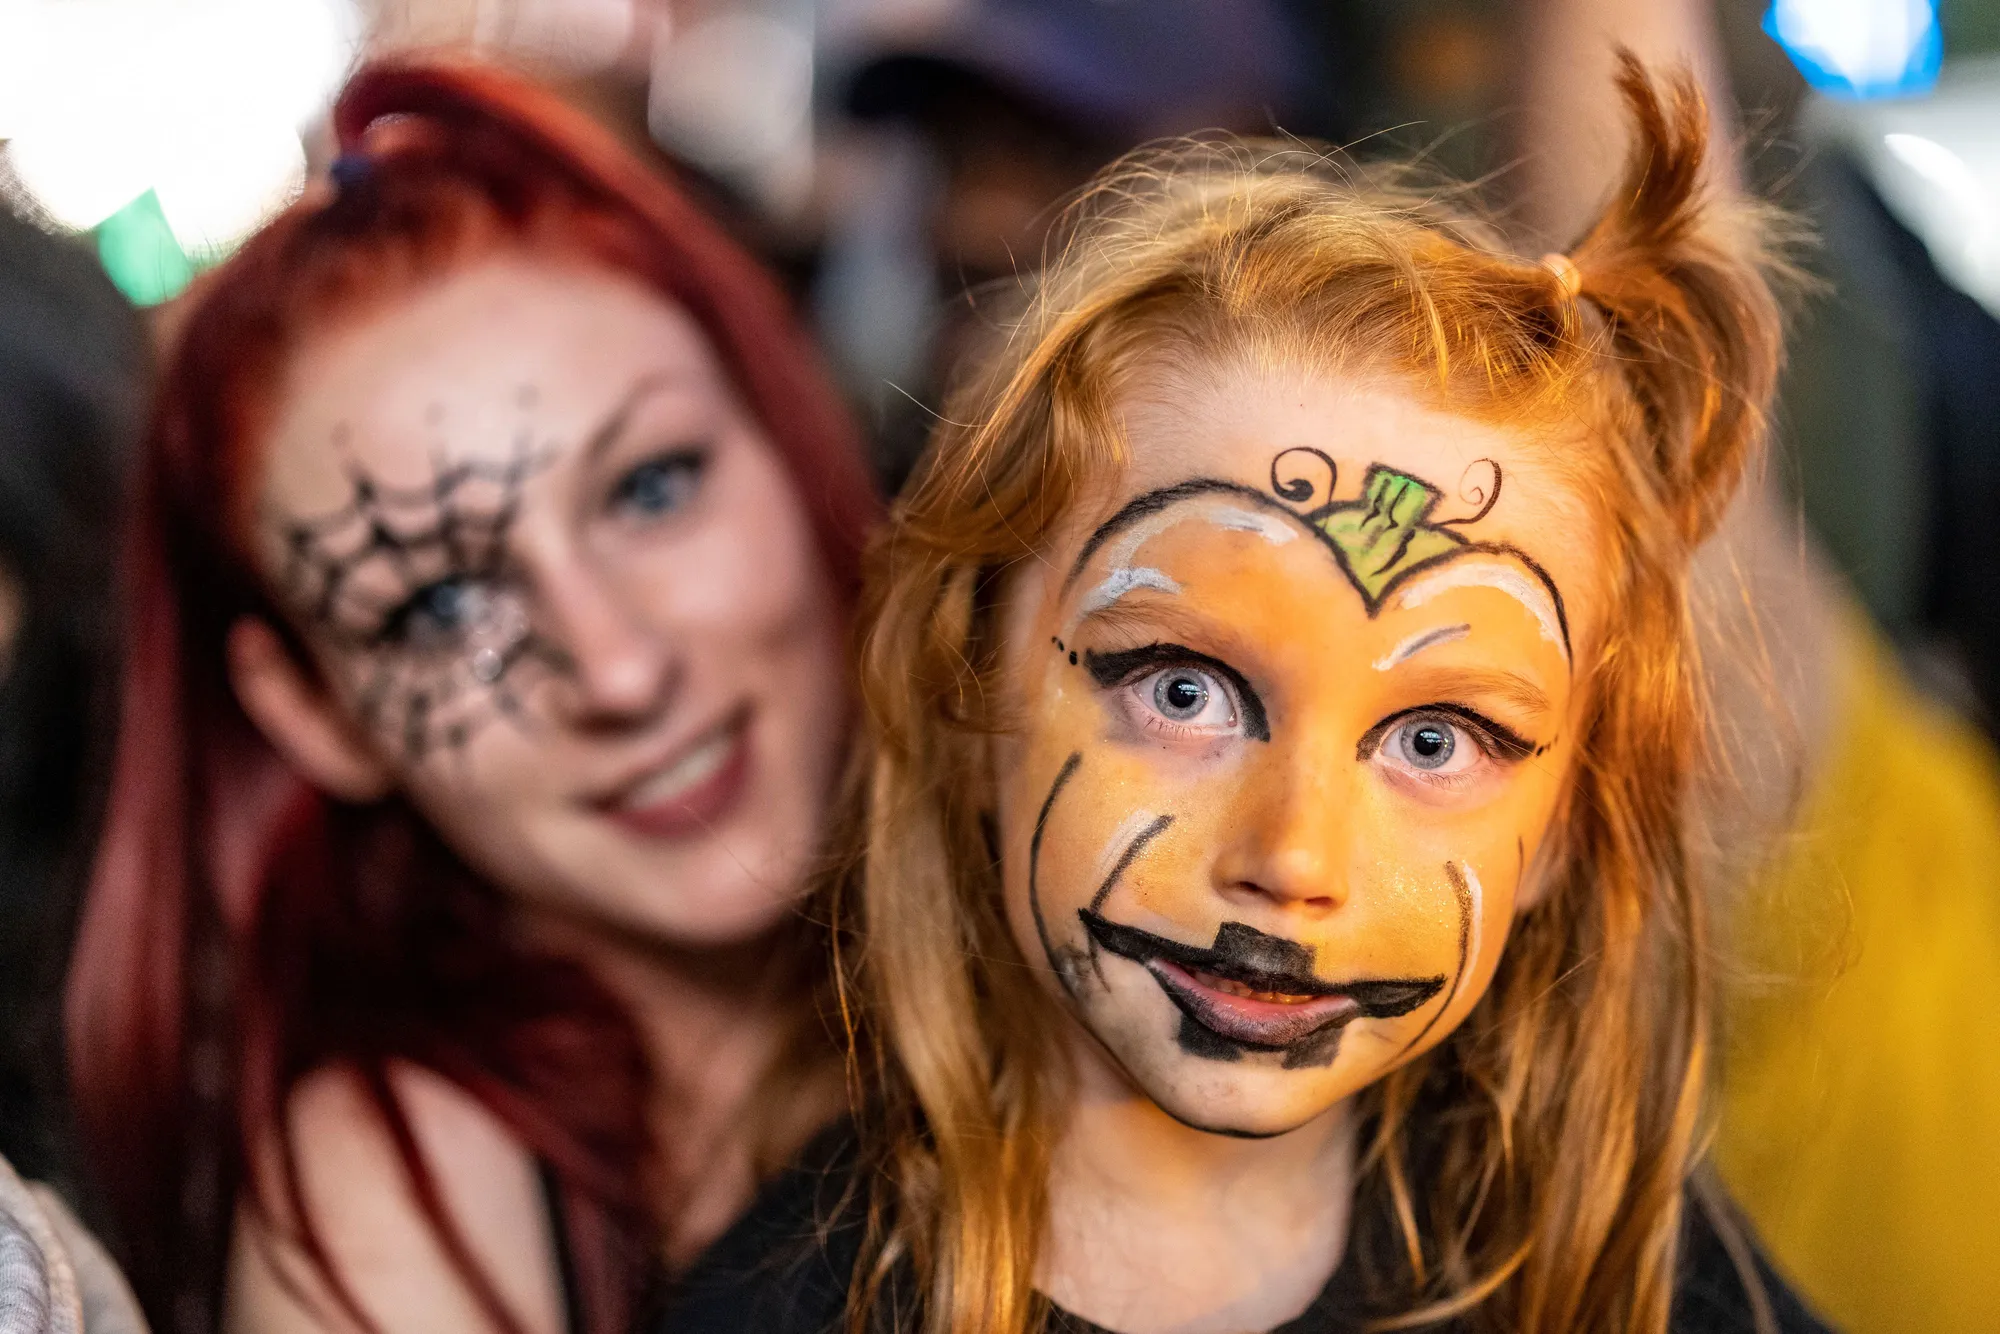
[1288,844]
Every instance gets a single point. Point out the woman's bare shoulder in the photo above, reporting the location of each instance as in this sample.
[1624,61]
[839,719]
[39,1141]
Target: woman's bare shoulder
[366,1212]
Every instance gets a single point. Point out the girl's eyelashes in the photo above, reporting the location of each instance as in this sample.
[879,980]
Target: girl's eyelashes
[1184,700]
[661,485]
[1172,684]
[1444,742]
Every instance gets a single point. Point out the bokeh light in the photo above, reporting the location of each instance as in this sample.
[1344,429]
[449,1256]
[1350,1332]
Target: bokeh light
[197,102]
[1860,48]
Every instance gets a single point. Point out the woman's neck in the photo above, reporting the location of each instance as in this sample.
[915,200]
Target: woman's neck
[715,1022]
[1158,1228]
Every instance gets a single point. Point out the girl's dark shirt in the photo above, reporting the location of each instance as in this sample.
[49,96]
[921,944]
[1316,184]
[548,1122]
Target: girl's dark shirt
[784,1269]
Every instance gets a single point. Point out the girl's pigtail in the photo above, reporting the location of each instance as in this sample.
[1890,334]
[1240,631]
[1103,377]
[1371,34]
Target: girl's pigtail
[1683,283]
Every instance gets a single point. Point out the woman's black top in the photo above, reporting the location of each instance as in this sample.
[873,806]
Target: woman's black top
[784,1269]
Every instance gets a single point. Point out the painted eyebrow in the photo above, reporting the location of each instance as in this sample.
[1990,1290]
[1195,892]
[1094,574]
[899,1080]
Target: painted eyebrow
[1153,502]
[1418,642]
[1475,569]
[612,428]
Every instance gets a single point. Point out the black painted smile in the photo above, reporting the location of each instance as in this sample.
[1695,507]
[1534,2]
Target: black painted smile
[1290,1010]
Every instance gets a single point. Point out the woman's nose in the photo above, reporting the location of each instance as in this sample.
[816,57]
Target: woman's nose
[1289,834]
[621,666]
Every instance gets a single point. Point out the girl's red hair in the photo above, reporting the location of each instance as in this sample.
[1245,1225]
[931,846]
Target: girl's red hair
[243,930]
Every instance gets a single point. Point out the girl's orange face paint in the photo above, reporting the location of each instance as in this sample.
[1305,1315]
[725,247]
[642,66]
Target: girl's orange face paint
[1296,728]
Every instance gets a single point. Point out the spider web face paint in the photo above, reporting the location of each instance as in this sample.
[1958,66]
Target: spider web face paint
[413,587]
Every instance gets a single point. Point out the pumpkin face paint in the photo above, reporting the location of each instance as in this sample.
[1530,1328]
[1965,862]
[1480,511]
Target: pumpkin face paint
[1297,721]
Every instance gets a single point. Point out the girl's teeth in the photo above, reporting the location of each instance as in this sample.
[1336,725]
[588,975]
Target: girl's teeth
[685,774]
[1231,987]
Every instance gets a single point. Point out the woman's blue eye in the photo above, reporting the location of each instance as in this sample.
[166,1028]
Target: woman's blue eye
[442,614]
[662,485]
[446,605]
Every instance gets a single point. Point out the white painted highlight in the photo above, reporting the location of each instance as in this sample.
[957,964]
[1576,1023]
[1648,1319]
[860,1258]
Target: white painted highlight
[1220,510]
[1122,580]
[1267,526]
[1121,839]
[1475,573]
[1418,642]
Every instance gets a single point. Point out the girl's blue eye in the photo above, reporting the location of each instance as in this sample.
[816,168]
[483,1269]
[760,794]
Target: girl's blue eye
[661,485]
[1428,746]
[1189,697]
[1434,745]
[1180,695]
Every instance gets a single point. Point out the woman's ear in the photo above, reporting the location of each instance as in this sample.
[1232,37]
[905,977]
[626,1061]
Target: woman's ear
[299,718]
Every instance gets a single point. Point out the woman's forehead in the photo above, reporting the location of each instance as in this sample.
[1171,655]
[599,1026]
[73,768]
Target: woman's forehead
[497,354]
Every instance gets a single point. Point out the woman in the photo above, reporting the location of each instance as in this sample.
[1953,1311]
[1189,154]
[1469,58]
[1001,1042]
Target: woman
[1273,906]
[494,548]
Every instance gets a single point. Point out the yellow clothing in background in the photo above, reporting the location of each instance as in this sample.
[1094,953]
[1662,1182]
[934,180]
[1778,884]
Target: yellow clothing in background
[1861,1101]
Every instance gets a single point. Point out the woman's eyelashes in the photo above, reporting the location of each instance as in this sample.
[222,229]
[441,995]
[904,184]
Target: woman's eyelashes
[661,485]
[446,614]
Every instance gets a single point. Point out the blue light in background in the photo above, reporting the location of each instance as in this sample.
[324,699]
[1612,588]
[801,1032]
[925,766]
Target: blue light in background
[1860,48]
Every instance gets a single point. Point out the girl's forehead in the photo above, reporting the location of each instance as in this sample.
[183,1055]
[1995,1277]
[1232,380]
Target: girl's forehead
[1441,476]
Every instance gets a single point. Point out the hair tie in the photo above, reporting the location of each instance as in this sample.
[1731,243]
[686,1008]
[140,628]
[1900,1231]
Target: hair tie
[1566,273]
[350,171]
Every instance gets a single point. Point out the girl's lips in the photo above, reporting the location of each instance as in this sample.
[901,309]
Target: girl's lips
[692,793]
[1258,1019]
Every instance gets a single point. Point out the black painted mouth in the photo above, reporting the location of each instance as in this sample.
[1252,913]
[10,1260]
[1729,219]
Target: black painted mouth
[1211,1028]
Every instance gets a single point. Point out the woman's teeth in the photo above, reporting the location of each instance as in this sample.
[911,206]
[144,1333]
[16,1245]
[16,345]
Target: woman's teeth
[687,773]
[1229,986]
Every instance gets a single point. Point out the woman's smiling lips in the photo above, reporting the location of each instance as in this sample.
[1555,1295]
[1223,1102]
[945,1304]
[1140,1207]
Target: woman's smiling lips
[693,790]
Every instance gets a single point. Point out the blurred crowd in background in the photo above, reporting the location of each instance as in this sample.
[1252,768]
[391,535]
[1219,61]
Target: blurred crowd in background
[894,160]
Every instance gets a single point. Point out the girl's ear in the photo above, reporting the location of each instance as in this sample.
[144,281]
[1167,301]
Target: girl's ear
[1537,877]
[1545,867]
[298,716]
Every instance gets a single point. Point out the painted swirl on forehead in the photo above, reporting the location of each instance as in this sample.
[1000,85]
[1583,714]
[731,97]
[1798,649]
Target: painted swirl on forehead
[1380,539]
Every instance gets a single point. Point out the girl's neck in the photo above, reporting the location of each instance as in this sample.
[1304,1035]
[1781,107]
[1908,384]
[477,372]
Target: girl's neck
[1158,1228]
[715,1022]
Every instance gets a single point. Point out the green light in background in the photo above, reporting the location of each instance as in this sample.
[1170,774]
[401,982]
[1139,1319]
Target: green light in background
[139,251]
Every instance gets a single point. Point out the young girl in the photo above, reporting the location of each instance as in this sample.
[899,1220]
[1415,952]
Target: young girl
[495,539]
[1272,907]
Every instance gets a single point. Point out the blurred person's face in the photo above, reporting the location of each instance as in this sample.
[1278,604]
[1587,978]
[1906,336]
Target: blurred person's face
[561,592]
[1299,708]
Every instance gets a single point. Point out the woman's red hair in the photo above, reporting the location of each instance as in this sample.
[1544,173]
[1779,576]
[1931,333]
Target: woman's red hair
[243,930]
